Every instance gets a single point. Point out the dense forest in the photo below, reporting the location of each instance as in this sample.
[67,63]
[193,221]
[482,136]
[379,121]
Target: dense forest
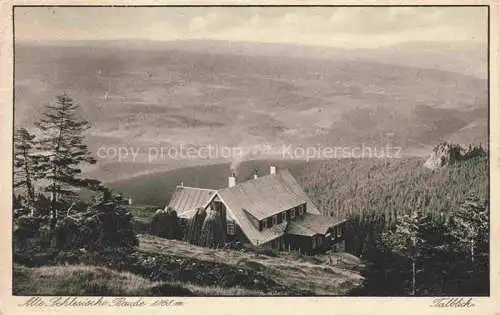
[398,211]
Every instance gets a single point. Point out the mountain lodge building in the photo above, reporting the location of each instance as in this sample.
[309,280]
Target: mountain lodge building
[270,211]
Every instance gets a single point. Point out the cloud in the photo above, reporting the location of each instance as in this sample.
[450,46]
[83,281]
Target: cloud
[348,26]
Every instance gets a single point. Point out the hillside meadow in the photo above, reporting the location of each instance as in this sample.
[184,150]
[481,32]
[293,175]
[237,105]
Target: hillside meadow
[164,267]
[85,280]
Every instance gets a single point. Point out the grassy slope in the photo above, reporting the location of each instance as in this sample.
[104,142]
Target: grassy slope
[304,273]
[309,275]
[92,280]
[78,280]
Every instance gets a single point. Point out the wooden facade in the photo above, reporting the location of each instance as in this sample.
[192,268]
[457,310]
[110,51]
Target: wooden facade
[334,239]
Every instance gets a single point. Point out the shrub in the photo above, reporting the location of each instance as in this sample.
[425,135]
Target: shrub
[30,238]
[165,223]
[106,223]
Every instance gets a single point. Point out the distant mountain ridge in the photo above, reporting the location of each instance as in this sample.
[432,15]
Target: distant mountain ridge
[468,58]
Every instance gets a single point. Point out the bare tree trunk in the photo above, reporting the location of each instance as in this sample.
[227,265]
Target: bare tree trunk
[53,211]
[413,267]
[472,250]
[29,185]
[413,277]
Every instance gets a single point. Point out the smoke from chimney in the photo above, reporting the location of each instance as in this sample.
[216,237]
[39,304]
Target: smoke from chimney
[272,170]
[231,181]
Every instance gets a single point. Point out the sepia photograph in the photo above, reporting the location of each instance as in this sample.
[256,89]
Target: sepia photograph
[228,151]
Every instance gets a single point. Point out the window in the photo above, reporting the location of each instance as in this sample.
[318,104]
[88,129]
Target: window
[230,227]
[301,210]
[275,219]
[269,222]
[280,217]
[292,213]
[339,231]
[261,225]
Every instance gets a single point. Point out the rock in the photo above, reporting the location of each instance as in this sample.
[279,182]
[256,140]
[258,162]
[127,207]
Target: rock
[443,155]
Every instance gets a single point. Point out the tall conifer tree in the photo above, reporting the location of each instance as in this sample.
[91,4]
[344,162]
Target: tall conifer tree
[64,150]
[26,165]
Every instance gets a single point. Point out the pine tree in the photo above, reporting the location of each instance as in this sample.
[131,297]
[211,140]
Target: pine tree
[434,255]
[63,149]
[469,225]
[26,165]
[405,241]
[469,236]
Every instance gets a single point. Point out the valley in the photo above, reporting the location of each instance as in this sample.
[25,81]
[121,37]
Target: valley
[199,93]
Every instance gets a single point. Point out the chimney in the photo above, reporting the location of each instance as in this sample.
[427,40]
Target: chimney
[272,170]
[255,176]
[231,181]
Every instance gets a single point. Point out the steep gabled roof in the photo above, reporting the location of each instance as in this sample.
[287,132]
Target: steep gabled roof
[243,220]
[186,200]
[268,195]
[262,198]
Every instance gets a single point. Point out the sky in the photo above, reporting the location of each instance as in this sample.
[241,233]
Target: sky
[324,26]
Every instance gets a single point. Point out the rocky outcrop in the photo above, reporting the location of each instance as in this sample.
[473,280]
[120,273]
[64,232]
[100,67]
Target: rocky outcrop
[446,154]
[443,155]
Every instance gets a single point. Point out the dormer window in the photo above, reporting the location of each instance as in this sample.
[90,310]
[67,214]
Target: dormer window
[301,210]
[281,217]
[269,222]
[339,231]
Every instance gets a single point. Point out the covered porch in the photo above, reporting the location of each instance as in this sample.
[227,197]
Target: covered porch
[315,233]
